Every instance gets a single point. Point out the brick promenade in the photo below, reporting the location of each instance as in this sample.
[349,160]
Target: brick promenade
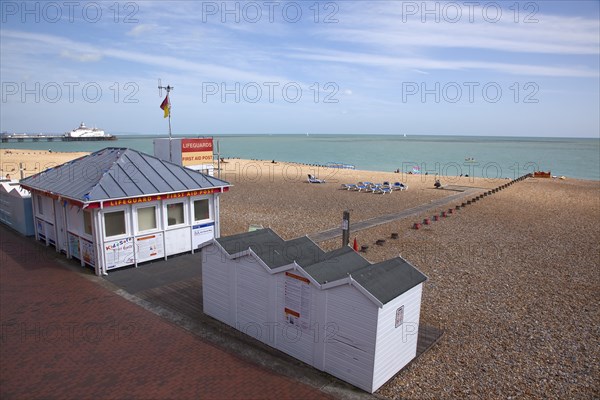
[65,337]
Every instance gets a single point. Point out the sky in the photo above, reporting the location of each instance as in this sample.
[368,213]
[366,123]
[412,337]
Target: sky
[516,68]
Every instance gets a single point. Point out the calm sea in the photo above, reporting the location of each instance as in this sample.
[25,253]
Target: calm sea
[505,157]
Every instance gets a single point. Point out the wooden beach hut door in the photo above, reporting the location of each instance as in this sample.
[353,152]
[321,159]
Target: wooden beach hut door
[61,231]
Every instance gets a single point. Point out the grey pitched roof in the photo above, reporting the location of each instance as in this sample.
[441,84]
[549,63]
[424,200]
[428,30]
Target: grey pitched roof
[272,249]
[113,173]
[337,264]
[389,279]
[385,280]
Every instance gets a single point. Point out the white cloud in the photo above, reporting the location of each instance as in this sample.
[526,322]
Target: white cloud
[141,29]
[81,57]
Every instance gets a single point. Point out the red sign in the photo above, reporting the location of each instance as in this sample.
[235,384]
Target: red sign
[196,151]
[300,278]
[145,199]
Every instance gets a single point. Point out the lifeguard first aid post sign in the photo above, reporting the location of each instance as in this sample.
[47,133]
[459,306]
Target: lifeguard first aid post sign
[117,207]
[194,153]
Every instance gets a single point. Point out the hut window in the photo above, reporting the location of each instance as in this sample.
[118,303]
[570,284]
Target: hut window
[114,223]
[146,217]
[87,222]
[40,201]
[201,210]
[175,214]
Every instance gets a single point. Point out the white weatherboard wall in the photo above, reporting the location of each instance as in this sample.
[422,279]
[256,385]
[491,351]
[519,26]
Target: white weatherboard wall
[295,340]
[15,207]
[350,351]
[396,346]
[252,302]
[345,333]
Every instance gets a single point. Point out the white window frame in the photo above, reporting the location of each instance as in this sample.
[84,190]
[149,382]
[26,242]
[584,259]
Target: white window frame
[40,205]
[157,215]
[186,217]
[83,232]
[211,216]
[127,223]
[75,220]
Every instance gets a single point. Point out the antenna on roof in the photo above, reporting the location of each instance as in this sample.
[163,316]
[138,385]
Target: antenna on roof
[166,107]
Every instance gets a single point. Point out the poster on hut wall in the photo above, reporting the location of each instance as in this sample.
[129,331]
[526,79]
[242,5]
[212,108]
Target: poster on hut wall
[50,233]
[74,246]
[41,228]
[202,234]
[297,301]
[118,253]
[149,247]
[88,253]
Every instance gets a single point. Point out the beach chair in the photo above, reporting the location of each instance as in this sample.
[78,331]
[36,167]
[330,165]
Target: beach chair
[382,190]
[374,187]
[348,186]
[399,186]
[362,186]
[312,179]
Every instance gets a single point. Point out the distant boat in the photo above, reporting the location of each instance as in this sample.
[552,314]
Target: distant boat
[85,132]
[335,164]
[405,135]
[470,159]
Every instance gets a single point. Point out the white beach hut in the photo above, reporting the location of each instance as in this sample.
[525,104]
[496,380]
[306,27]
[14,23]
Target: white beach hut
[15,207]
[117,207]
[335,311]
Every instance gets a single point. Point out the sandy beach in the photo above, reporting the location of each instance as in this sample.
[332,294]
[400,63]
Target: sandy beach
[513,279]
[32,161]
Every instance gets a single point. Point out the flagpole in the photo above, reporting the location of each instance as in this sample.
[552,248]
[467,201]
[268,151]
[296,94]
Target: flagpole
[168,88]
[170,137]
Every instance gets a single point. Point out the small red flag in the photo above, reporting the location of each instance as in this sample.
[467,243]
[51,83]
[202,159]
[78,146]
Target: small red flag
[355,247]
[166,106]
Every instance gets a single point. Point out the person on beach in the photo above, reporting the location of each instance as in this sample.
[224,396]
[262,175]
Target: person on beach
[437,184]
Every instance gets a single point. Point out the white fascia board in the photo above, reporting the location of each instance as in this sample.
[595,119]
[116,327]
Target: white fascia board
[258,259]
[284,268]
[365,292]
[307,275]
[229,256]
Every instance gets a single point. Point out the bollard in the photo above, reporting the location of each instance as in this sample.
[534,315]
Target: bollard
[417,225]
[468,202]
[444,214]
[450,211]
[394,235]
[457,207]
[436,218]
[426,221]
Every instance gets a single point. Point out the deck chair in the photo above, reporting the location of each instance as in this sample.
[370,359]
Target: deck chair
[312,179]
[362,186]
[382,190]
[399,186]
